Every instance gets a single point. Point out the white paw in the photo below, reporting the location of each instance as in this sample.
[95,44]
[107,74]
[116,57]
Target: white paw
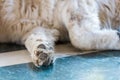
[43,55]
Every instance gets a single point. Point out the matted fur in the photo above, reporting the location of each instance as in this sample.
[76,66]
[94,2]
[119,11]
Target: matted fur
[38,24]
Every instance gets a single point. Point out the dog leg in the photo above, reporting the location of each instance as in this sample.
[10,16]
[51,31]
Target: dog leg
[84,29]
[40,43]
[97,39]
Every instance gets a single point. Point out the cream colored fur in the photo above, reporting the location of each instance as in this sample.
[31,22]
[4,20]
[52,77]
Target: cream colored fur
[38,24]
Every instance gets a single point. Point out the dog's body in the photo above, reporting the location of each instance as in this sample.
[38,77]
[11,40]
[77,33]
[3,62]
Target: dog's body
[37,24]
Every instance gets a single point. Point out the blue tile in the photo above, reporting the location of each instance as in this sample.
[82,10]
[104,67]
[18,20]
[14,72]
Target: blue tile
[96,66]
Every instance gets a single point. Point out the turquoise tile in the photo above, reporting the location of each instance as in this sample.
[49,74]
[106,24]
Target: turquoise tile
[96,66]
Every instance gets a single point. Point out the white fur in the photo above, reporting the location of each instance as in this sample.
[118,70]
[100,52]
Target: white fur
[83,22]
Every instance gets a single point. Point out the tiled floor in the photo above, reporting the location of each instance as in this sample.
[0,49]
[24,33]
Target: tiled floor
[96,66]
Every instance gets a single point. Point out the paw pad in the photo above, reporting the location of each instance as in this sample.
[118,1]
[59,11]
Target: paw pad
[42,46]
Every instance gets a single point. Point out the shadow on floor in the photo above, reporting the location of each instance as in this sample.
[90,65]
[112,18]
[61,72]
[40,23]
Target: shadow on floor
[7,47]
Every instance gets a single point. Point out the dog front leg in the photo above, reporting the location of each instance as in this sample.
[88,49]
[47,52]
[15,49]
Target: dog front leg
[40,43]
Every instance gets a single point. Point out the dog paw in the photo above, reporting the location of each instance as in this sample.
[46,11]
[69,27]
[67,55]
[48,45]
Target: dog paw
[43,55]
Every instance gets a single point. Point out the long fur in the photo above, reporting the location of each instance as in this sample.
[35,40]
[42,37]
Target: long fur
[88,24]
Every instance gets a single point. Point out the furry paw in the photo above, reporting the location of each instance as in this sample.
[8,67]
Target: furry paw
[43,55]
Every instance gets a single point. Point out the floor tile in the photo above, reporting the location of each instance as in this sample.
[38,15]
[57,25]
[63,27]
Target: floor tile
[12,54]
[15,64]
[98,66]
